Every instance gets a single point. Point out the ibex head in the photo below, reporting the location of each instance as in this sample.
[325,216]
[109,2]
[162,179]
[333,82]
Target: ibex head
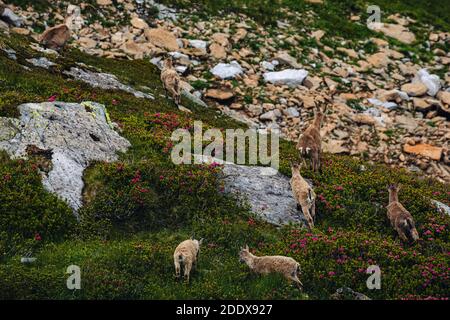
[295,167]
[244,254]
[168,62]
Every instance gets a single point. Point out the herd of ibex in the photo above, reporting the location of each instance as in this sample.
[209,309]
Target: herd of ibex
[310,149]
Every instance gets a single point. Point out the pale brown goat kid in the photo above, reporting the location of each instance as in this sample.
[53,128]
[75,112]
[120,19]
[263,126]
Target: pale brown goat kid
[171,80]
[286,266]
[56,37]
[304,195]
[310,142]
[186,256]
[401,220]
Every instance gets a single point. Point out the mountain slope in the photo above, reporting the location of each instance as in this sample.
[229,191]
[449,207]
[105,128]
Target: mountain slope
[136,210]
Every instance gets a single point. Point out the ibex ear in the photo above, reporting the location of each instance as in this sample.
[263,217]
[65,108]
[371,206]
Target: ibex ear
[316,107]
[247,248]
[201,241]
[399,186]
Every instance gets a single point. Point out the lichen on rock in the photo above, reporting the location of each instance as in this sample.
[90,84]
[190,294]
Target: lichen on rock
[104,81]
[267,191]
[75,135]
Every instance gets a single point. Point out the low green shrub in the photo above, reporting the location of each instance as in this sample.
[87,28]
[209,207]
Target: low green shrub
[334,259]
[27,210]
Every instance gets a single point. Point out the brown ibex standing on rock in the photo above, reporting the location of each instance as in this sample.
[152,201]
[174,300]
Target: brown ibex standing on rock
[401,220]
[171,80]
[310,142]
[304,195]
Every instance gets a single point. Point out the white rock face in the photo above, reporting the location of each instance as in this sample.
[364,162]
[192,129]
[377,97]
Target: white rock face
[194,97]
[10,53]
[105,81]
[66,178]
[292,112]
[75,134]
[431,81]
[227,70]
[74,20]
[157,61]
[403,95]
[181,69]
[177,55]
[290,77]
[164,12]
[269,194]
[269,66]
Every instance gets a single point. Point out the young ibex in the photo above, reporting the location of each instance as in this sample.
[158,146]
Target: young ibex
[186,256]
[310,142]
[55,38]
[304,195]
[288,267]
[171,80]
[401,220]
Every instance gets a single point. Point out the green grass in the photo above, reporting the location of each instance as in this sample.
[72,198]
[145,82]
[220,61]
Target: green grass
[140,267]
[355,104]
[332,14]
[39,5]
[433,12]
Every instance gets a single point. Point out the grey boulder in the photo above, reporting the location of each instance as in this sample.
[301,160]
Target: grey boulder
[266,190]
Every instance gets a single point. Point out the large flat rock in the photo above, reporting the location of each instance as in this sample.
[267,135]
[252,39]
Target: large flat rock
[267,191]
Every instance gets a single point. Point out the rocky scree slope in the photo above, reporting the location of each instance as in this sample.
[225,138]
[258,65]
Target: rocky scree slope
[140,206]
